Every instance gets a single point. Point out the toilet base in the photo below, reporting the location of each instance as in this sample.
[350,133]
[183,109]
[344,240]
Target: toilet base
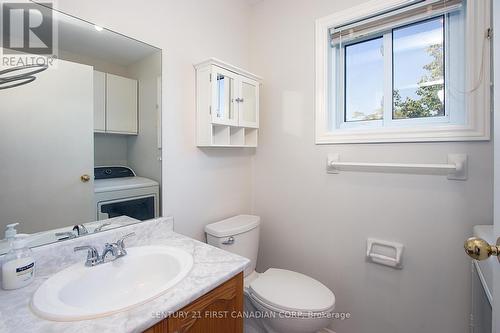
[250,323]
[257,324]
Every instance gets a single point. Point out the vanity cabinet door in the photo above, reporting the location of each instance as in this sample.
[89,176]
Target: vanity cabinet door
[248,103]
[224,94]
[121,105]
[219,311]
[99,102]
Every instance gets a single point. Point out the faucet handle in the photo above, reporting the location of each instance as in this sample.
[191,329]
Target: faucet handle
[65,235]
[121,244]
[99,228]
[93,257]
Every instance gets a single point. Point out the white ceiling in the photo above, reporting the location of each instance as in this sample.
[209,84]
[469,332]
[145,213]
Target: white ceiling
[82,38]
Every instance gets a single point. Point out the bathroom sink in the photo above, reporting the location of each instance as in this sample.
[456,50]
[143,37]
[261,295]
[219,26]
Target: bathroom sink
[79,292]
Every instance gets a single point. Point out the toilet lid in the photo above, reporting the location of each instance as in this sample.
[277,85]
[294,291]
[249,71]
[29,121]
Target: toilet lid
[292,291]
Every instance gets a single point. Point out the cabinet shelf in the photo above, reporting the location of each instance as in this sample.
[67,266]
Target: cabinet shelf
[236,126]
[227,106]
[227,146]
[232,136]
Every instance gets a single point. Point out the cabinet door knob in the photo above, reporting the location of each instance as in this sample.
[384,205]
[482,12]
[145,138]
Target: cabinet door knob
[85,178]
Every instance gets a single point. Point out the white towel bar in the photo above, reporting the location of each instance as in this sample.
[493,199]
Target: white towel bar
[456,168]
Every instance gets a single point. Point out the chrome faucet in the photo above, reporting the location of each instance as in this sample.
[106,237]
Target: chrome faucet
[93,257]
[80,229]
[110,249]
[111,252]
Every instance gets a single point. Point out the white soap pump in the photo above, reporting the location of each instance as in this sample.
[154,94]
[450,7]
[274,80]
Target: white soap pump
[18,265]
[10,231]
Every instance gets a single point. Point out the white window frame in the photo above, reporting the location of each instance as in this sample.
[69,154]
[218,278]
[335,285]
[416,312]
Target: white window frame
[477,103]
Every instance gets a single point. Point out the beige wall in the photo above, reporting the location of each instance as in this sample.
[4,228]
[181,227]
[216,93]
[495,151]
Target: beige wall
[199,186]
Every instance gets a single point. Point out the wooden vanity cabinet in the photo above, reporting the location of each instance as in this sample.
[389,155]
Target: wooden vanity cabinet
[218,311]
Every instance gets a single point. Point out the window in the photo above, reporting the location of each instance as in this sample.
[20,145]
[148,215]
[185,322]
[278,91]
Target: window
[411,72]
[418,70]
[364,77]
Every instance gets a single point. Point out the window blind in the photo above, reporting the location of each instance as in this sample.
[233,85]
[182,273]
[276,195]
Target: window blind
[412,12]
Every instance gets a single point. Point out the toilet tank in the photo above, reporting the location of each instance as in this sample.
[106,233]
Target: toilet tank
[238,234]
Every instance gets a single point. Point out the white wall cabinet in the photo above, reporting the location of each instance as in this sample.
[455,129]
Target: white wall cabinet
[227,105]
[99,102]
[115,104]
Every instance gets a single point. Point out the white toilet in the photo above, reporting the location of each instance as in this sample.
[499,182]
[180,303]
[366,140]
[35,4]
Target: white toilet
[288,302]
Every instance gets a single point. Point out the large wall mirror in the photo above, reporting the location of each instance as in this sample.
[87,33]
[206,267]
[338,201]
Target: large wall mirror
[80,135]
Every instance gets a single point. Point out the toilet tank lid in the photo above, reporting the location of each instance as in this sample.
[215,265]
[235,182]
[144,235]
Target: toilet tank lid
[233,225]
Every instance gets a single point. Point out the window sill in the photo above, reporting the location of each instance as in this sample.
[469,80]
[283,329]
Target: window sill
[445,133]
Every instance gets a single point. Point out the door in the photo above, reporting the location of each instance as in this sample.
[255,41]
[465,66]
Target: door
[140,208]
[121,105]
[46,145]
[224,95]
[248,103]
[481,249]
[496,153]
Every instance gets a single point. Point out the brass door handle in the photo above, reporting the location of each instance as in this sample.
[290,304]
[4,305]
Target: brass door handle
[479,249]
[85,178]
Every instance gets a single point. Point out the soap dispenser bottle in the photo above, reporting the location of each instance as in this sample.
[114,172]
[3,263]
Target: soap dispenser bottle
[10,231]
[18,266]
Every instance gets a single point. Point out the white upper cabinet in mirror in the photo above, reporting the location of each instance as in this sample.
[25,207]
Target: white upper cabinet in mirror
[115,104]
[68,168]
[227,105]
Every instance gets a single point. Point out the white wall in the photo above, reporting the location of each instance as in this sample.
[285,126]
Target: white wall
[199,186]
[144,155]
[98,64]
[110,149]
[312,222]
[317,223]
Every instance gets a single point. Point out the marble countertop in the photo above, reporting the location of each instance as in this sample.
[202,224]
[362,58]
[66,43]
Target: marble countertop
[212,266]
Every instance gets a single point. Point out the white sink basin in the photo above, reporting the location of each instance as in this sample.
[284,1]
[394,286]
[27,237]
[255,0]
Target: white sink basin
[79,292]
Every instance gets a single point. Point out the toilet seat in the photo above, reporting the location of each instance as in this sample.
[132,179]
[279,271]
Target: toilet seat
[282,290]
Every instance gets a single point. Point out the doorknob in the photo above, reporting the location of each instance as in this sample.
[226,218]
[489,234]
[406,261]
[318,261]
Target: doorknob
[85,178]
[479,249]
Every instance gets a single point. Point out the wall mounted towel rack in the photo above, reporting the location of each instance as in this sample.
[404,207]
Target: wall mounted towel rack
[455,169]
